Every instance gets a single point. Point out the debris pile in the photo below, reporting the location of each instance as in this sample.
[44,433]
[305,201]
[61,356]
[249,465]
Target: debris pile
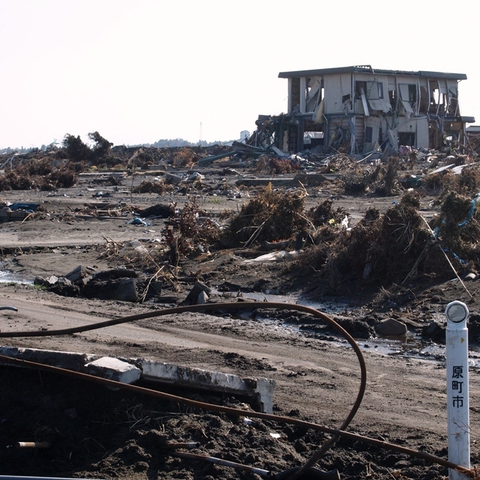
[189,231]
[271,188]
[271,216]
[42,173]
[132,435]
[380,249]
[398,247]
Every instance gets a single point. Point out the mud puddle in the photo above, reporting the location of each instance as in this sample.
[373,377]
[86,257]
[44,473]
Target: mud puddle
[7,276]
[409,346]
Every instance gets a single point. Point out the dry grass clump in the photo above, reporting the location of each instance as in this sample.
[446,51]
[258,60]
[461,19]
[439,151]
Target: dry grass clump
[458,230]
[325,214]
[184,158]
[468,182]
[442,183]
[397,247]
[148,186]
[275,166]
[436,182]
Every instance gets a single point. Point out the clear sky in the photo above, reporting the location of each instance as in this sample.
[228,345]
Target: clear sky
[139,71]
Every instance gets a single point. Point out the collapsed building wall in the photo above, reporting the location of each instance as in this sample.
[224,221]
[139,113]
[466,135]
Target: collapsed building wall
[367,110]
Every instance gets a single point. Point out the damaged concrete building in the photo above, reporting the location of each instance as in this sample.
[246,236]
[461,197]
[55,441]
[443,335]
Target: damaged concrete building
[359,110]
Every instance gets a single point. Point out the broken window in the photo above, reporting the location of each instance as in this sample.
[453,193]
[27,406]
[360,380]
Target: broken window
[313,139]
[406,138]
[314,93]
[435,100]
[375,97]
[359,88]
[452,100]
[408,96]
[392,95]
[412,93]
[294,99]
[424,101]
[368,134]
[374,90]
[434,95]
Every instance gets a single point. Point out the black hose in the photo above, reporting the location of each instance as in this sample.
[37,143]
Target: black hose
[219,306]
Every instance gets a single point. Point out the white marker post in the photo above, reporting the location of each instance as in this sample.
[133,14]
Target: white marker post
[457,388]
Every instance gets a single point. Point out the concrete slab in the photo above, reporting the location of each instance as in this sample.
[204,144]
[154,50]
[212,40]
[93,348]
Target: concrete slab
[69,360]
[260,389]
[257,182]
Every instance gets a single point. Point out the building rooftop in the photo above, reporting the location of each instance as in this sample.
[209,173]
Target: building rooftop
[369,69]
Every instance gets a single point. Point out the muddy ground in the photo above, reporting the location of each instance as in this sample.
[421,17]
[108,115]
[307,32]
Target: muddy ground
[97,432]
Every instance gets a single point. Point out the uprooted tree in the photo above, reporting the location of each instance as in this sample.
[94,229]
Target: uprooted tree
[394,248]
[77,151]
[399,246]
[101,147]
[271,216]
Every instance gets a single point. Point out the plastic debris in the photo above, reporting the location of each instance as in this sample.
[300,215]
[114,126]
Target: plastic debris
[139,221]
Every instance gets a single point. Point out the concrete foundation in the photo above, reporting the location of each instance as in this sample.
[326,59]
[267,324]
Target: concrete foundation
[258,390]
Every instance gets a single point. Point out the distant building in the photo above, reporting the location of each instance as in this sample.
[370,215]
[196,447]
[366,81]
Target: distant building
[360,109]
[244,134]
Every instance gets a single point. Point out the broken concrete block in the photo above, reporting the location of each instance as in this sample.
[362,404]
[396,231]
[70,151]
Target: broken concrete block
[51,280]
[123,289]
[114,369]
[196,295]
[195,177]
[79,273]
[202,298]
[260,389]
[173,179]
[391,327]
